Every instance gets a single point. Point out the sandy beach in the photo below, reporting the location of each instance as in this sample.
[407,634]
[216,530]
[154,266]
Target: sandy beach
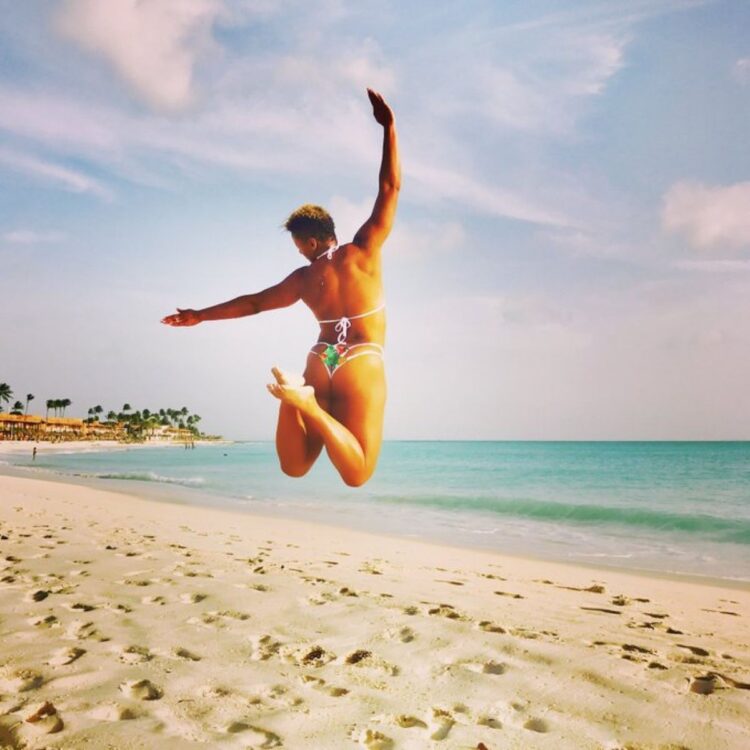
[15,448]
[131,623]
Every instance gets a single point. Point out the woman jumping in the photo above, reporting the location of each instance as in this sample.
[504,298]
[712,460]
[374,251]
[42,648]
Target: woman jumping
[338,402]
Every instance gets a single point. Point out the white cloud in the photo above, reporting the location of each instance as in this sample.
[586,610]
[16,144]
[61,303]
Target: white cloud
[741,70]
[444,184]
[69,179]
[709,216]
[543,90]
[31,237]
[152,44]
[724,265]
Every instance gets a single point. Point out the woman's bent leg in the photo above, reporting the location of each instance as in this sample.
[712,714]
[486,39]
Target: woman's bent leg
[297,445]
[352,431]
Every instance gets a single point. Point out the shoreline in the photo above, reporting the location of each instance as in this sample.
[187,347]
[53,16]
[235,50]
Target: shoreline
[177,494]
[174,495]
[143,622]
[21,447]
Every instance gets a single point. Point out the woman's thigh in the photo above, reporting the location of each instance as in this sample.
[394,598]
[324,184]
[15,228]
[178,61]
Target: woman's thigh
[316,375]
[357,400]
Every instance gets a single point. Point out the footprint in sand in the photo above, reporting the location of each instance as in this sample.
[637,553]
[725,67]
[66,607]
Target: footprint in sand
[133,654]
[192,598]
[374,740]
[258,737]
[134,582]
[485,720]
[264,647]
[276,694]
[490,627]
[65,656]
[446,610]
[703,684]
[404,634]
[536,725]
[144,690]
[478,667]
[306,655]
[508,593]
[113,712]
[19,680]
[696,650]
[44,718]
[440,724]
[183,653]
[366,659]
[79,630]
[320,684]
[488,667]
[36,596]
[214,691]
[371,569]
[50,621]
[707,683]
[153,600]
[325,597]
[230,614]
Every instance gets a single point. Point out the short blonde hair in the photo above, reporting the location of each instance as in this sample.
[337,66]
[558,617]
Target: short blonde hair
[311,221]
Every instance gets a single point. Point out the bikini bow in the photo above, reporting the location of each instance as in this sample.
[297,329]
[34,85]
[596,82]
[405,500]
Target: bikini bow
[341,328]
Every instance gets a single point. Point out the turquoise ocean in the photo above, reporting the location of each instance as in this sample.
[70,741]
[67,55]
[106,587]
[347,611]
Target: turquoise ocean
[670,507]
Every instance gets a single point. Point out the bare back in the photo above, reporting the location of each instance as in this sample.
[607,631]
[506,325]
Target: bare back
[348,284]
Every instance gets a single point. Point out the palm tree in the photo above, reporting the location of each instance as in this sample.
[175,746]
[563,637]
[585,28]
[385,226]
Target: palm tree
[97,411]
[196,419]
[126,407]
[65,403]
[29,397]
[17,409]
[5,394]
[50,405]
[111,416]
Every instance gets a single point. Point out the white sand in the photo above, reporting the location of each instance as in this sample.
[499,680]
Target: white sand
[150,625]
[25,447]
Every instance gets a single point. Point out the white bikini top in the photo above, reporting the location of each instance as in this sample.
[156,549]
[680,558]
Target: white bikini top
[343,323]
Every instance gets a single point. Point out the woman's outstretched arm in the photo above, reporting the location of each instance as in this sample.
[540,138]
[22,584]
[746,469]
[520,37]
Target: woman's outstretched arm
[283,294]
[372,234]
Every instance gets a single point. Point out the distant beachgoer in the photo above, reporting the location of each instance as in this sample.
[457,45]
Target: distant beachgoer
[33,454]
[339,401]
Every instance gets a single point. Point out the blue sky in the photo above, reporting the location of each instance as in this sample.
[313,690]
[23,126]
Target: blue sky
[572,252]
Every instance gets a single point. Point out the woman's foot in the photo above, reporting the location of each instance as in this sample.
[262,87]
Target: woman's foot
[291,389]
[287,378]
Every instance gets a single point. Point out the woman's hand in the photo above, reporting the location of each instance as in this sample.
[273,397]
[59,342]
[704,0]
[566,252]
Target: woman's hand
[182,318]
[382,113]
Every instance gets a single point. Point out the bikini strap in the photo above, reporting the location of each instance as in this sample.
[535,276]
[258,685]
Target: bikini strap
[329,252]
[354,317]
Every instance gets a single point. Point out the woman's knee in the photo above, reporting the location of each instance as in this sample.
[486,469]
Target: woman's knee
[358,477]
[294,468]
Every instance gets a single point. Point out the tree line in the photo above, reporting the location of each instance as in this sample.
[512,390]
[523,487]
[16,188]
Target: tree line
[136,421]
